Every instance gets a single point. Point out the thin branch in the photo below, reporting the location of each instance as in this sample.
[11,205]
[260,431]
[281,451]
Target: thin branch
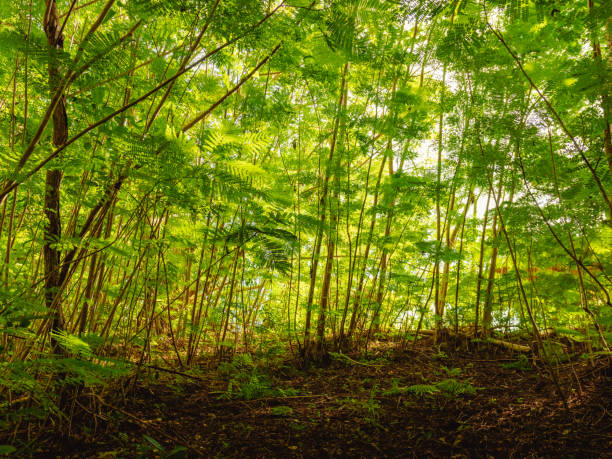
[558,118]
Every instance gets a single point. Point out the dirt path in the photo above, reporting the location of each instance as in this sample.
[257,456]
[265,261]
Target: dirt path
[396,404]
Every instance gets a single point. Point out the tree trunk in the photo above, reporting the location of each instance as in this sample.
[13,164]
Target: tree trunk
[53,227]
[319,351]
[480,261]
[362,275]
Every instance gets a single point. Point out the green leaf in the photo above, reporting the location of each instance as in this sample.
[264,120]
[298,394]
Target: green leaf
[7,449]
[153,442]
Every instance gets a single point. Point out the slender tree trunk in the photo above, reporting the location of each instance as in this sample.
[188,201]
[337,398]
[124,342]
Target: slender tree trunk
[439,313]
[91,277]
[332,164]
[487,308]
[465,211]
[605,80]
[480,261]
[9,241]
[451,237]
[223,348]
[360,286]
[384,255]
[385,252]
[353,262]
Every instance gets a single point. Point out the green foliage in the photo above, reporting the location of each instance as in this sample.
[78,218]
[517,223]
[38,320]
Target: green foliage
[253,386]
[449,387]
[440,355]
[281,411]
[394,389]
[451,371]
[247,381]
[373,406]
[72,344]
[453,388]
[421,390]
[370,407]
[236,171]
[154,446]
[7,449]
[522,364]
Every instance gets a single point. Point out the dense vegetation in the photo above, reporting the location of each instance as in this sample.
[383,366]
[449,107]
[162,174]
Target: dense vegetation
[195,179]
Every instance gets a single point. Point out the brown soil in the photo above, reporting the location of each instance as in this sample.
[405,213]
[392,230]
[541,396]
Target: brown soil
[348,410]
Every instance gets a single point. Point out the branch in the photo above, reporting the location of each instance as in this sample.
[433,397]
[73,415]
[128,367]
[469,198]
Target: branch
[247,77]
[557,117]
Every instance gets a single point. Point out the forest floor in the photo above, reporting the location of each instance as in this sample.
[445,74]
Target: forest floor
[460,401]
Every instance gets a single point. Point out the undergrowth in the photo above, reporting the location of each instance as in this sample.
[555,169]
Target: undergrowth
[247,380]
[449,387]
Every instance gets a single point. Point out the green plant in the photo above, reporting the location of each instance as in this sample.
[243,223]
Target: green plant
[448,387]
[451,371]
[373,406]
[453,388]
[370,407]
[281,411]
[440,355]
[522,364]
[421,390]
[250,383]
[154,446]
[395,389]
[173,173]
[7,449]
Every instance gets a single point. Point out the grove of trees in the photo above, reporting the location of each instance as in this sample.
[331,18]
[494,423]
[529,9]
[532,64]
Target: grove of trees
[192,178]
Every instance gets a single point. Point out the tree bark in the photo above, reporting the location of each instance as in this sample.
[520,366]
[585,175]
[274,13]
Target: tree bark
[319,351]
[53,227]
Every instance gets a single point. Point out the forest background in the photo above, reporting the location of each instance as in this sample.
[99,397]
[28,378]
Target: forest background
[188,178]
